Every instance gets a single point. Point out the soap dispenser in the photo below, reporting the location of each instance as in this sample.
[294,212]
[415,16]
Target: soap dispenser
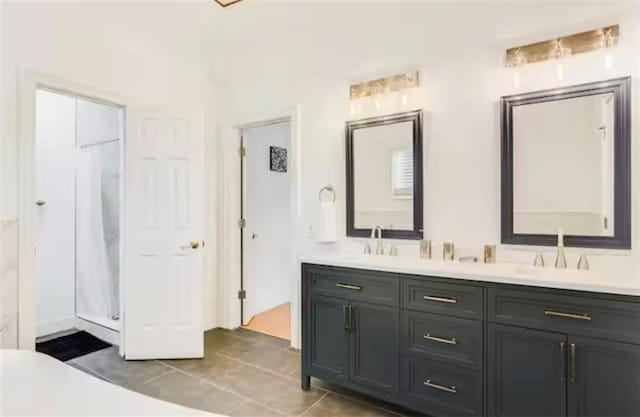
[561,261]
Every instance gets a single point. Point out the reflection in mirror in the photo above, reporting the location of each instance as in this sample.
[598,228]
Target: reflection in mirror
[384,181]
[383,176]
[566,164]
[563,166]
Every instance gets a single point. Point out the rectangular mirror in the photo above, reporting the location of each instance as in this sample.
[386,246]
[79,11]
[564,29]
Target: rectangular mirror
[566,166]
[384,176]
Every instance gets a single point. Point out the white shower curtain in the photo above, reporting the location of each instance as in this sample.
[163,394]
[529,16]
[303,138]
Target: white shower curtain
[97,232]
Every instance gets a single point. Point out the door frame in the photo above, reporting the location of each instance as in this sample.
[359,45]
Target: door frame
[243,199]
[29,82]
[230,187]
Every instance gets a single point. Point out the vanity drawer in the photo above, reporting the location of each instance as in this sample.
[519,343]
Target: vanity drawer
[361,285]
[443,338]
[550,310]
[443,298]
[444,390]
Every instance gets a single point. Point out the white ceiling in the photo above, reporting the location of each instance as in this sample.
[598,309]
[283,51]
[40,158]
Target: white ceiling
[351,39]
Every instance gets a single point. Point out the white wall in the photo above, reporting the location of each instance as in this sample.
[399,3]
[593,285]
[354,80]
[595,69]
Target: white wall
[268,211]
[460,94]
[8,284]
[132,49]
[55,160]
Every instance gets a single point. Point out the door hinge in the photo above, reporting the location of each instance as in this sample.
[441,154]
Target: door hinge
[242,223]
[242,151]
[242,294]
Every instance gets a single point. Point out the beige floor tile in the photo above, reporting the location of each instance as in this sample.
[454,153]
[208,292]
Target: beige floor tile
[276,360]
[86,370]
[334,405]
[261,339]
[248,374]
[212,367]
[217,339]
[252,409]
[190,391]
[108,364]
[280,393]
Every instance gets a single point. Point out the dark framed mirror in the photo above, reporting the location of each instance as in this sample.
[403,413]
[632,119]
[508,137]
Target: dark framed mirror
[384,176]
[566,165]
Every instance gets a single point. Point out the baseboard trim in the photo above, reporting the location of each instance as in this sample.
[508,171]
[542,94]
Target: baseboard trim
[46,329]
[101,332]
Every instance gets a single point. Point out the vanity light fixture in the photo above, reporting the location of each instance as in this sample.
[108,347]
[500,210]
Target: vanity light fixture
[564,46]
[557,52]
[384,85]
[517,60]
[225,3]
[608,41]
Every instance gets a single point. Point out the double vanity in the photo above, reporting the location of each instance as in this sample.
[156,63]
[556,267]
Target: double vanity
[452,339]
[468,339]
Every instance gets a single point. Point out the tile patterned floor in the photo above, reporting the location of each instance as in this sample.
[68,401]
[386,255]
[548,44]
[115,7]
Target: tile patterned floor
[243,374]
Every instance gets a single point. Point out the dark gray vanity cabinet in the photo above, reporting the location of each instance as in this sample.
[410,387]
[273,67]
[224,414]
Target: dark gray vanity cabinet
[351,325]
[576,376]
[526,372]
[605,379]
[450,347]
[374,347]
[328,354]
[578,352]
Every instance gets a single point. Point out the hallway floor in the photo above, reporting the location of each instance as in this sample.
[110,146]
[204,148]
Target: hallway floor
[275,322]
[243,373]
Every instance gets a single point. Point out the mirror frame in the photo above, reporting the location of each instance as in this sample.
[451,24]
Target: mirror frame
[351,126]
[621,239]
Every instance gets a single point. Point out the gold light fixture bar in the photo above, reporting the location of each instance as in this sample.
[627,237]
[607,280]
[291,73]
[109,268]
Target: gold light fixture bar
[578,43]
[225,3]
[384,85]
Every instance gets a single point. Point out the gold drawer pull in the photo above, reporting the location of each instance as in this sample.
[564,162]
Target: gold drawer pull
[440,339]
[349,286]
[582,316]
[440,299]
[451,389]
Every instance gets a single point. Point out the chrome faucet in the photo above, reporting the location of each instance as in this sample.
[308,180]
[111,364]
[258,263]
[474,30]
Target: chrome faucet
[379,247]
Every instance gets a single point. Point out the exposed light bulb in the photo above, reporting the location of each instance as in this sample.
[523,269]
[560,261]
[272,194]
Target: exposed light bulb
[377,103]
[559,71]
[405,100]
[352,109]
[608,61]
[516,79]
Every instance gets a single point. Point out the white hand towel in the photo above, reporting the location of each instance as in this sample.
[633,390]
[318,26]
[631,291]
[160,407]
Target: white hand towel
[328,227]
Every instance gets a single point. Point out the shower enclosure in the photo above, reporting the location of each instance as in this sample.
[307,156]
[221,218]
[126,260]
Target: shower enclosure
[79,269]
[98,229]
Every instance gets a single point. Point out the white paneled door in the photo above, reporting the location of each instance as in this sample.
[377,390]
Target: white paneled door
[163,284]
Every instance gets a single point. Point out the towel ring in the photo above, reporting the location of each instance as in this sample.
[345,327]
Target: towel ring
[328,188]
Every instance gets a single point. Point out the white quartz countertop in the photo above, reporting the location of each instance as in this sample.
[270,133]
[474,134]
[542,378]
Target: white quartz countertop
[502,273]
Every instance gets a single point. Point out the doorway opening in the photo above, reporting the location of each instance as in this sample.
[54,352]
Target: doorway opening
[79,146]
[265,232]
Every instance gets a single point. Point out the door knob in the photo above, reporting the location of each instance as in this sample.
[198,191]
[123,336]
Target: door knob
[194,244]
[40,203]
[253,236]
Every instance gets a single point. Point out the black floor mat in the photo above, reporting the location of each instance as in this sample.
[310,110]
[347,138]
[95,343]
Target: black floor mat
[71,346]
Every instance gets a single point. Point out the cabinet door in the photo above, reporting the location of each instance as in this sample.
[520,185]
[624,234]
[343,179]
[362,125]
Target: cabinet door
[328,342]
[375,346]
[604,378]
[526,372]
